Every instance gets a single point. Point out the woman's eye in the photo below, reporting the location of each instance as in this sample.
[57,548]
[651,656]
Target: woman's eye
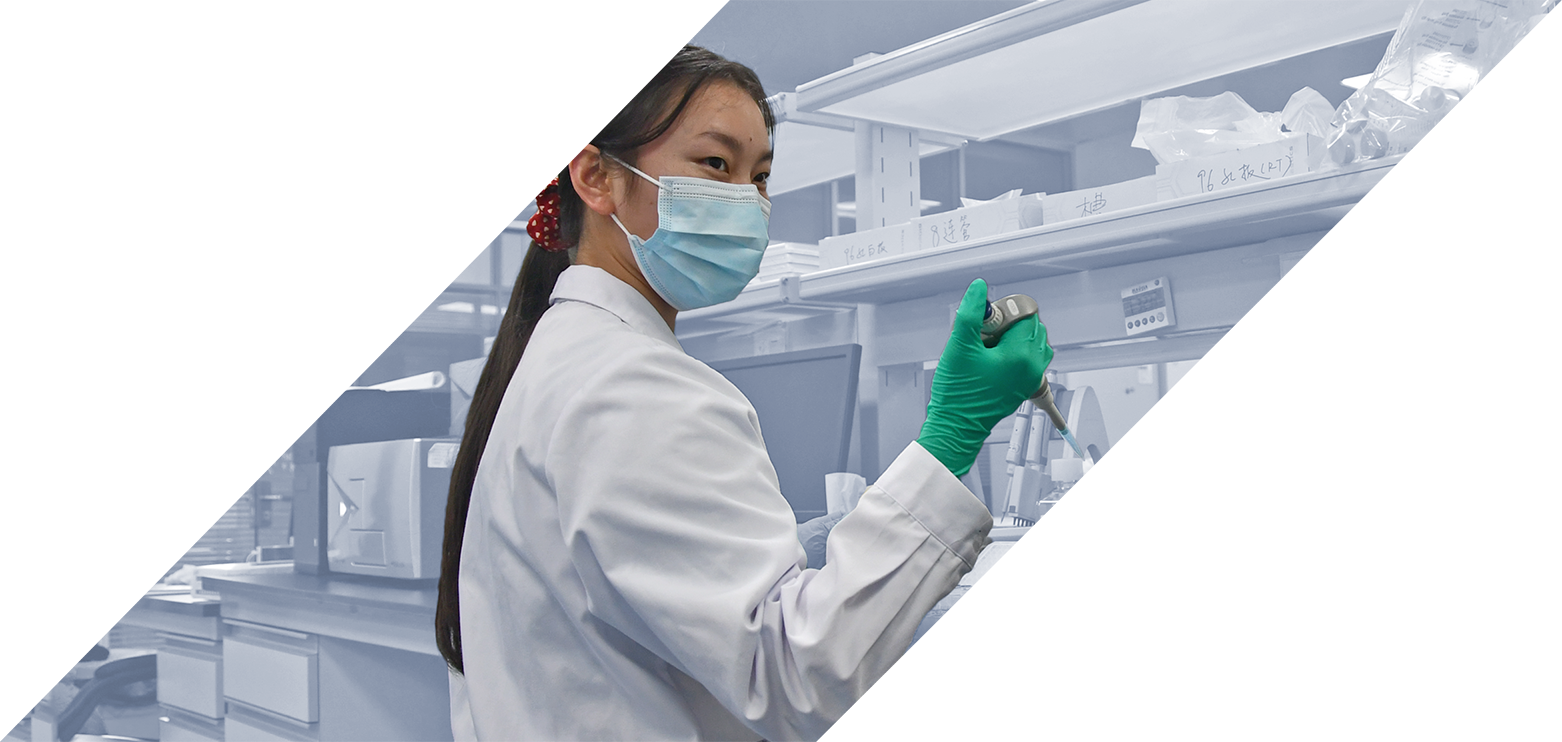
[762,178]
[716,163]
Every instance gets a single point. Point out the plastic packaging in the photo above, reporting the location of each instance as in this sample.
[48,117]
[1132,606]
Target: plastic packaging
[842,490]
[1003,197]
[1308,112]
[1182,128]
[1440,51]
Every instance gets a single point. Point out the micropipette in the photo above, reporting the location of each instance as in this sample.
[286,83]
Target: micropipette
[1000,316]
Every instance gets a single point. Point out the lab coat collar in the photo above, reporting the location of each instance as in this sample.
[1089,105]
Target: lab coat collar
[597,287]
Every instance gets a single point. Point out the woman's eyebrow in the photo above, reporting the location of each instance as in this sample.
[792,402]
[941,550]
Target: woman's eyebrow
[736,146]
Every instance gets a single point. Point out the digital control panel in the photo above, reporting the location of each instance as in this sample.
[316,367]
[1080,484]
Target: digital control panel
[1148,307]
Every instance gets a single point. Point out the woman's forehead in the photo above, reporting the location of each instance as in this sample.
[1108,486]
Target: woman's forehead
[721,111]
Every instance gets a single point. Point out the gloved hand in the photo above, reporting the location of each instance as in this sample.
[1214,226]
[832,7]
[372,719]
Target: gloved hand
[976,386]
[813,535]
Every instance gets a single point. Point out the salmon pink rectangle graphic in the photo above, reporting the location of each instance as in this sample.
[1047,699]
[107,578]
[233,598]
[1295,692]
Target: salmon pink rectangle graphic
[400,161]
[447,119]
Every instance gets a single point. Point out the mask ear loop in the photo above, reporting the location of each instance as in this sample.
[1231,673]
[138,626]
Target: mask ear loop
[624,229]
[638,172]
[634,169]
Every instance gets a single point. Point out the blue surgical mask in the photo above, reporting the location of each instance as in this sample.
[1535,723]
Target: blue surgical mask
[709,241]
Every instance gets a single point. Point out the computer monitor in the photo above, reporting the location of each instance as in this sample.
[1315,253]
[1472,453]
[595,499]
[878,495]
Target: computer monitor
[805,400]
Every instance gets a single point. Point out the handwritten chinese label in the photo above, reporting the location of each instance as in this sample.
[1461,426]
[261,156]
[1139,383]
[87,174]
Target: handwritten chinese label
[1098,200]
[1092,205]
[868,251]
[1248,172]
[949,231]
[1291,157]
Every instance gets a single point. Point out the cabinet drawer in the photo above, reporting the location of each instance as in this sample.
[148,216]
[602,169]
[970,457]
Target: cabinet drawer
[179,733]
[247,724]
[189,675]
[271,669]
[177,725]
[43,725]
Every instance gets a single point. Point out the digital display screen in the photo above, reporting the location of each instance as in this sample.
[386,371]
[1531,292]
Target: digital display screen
[1143,302]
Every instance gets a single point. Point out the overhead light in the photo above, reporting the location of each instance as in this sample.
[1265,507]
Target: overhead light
[849,208]
[1357,82]
[465,307]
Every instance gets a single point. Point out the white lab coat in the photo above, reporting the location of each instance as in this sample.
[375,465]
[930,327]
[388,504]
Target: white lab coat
[630,569]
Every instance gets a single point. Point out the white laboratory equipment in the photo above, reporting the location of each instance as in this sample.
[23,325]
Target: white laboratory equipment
[385,508]
[1012,653]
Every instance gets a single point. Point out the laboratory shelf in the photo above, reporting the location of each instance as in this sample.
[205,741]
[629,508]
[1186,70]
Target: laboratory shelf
[1166,229]
[1054,60]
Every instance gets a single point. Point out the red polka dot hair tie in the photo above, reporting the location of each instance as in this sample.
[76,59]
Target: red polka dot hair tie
[544,225]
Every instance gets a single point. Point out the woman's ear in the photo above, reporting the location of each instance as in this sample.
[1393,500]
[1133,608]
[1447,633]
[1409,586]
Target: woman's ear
[588,173]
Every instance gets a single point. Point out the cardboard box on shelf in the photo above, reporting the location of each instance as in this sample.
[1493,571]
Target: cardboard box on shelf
[1061,207]
[979,221]
[1296,154]
[872,244]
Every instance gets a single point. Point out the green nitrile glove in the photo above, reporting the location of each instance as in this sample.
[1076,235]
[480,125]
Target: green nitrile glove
[975,386]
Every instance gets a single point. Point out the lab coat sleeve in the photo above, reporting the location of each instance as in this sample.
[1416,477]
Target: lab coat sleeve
[673,517]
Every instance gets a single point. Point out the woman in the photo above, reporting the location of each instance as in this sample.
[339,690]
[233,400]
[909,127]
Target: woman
[619,560]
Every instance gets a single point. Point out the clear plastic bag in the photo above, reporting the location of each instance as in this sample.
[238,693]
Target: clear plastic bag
[1308,112]
[976,201]
[1182,128]
[1440,51]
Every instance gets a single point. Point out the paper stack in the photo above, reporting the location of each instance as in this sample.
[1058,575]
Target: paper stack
[788,258]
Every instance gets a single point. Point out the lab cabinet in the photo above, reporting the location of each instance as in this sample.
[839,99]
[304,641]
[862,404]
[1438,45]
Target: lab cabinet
[251,724]
[180,726]
[189,675]
[272,669]
[261,652]
[317,658]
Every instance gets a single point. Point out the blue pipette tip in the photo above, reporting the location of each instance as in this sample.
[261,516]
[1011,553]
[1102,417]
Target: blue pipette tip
[1075,444]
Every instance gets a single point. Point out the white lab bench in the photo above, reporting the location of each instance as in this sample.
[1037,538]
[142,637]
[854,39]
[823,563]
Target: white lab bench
[302,658]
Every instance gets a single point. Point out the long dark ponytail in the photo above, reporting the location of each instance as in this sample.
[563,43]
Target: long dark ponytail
[652,112]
